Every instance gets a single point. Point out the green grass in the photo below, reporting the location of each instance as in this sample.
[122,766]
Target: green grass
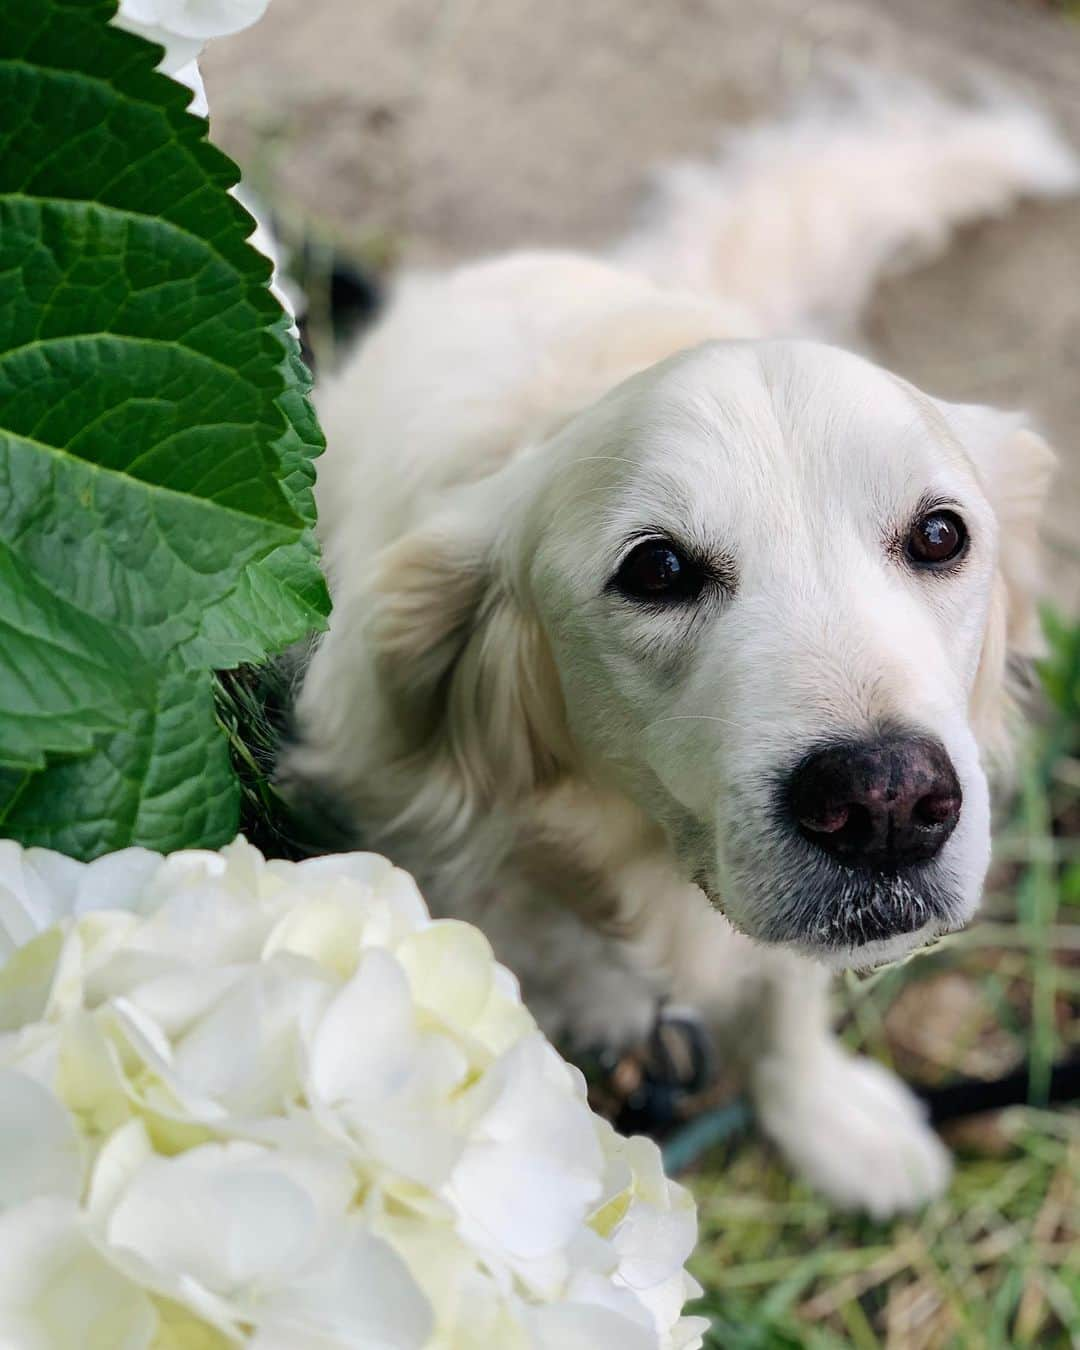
[996,1262]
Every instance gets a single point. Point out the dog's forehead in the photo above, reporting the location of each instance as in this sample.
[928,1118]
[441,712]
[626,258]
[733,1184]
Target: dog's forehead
[776,411]
[719,438]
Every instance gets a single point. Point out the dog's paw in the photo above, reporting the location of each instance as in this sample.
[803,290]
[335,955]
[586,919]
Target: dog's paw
[646,1090]
[852,1130]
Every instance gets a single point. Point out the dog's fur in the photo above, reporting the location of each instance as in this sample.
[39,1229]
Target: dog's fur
[595,782]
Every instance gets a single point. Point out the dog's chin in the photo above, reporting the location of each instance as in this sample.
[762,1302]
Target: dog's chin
[881,952]
[848,919]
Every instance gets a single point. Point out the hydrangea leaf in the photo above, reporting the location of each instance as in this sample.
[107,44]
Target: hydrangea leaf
[283,597]
[62,672]
[167,776]
[155,439]
[12,782]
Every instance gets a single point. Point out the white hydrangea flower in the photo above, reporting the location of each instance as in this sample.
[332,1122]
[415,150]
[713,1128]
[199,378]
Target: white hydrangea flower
[183,28]
[197,19]
[275,1105]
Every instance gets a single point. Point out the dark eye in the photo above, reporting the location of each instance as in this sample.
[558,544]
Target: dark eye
[937,538]
[658,570]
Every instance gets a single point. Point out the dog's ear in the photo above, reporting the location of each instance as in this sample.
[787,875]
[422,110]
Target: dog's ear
[465,673]
[1015,466]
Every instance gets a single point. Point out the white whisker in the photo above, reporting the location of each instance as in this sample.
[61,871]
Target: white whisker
[691,717]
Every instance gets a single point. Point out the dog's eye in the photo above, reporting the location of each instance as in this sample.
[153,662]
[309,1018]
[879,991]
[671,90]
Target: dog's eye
[658,570]
[937,538]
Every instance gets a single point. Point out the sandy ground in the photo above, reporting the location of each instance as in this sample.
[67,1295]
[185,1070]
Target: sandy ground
[435,129]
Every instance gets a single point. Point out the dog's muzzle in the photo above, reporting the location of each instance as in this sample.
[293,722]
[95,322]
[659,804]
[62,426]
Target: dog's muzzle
[882,805]
[872,818]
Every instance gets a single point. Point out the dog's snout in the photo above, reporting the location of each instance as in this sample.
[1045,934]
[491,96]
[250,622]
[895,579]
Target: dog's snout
[882,804]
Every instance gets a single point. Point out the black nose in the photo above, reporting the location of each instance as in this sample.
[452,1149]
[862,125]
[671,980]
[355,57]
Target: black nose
[882,804]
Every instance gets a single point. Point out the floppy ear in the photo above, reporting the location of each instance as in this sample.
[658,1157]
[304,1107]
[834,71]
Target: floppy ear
[1015,465]
[465,673]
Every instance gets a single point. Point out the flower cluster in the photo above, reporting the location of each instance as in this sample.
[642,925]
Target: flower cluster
[277,1105]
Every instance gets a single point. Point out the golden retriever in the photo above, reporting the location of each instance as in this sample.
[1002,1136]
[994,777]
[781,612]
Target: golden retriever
[670,645]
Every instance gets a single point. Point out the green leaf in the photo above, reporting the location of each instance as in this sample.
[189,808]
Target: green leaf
[167,777]
[63,674]
[283,597]
[156,440]
[277,602]
[12,782]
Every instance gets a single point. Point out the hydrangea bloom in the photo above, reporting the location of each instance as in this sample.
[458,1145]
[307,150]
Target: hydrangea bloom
[276,1105]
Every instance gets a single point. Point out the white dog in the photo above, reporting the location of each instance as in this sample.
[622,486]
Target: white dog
[674,654]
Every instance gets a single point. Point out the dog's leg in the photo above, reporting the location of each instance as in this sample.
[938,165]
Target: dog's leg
[846,1123]
[585,997]
[577,982]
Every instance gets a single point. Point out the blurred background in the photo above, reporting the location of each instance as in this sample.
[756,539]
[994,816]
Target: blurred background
[424,131]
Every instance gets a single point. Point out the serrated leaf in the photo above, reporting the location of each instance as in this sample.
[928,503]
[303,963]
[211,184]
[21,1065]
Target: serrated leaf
[165,782]
[276,603]
[303,441]
[155,439]
[64,675]
[283,597]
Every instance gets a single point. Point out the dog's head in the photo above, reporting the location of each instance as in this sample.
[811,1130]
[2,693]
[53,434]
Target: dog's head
[768,592]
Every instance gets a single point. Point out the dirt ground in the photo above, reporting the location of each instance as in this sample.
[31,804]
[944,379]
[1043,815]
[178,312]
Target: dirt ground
[434,129]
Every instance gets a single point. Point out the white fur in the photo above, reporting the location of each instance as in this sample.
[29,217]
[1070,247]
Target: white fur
[798,219]
[569,770]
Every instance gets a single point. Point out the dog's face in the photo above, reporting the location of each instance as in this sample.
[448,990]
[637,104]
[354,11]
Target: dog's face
[774,586]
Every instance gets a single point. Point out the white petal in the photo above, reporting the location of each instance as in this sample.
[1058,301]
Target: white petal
[538,1101]
[196,915]
[59,1292]
[144,11]
[532,1170]
[245,1052]
[27,907]
[39,1146]
[182,1329]
[338,905]
[226,1216]
[179,49]
[363,1046]
[651,1245]
[363,1294]
[589,1287]
[122,1157]
[503,1021]
[33,898]
[211,18]
[391,1083]
[451,969]
[524,1203]
[330,929]
[151,1082]
[373,872]
[114,881]
[174,996]
[689,1333]
[27,979]
[585,1326]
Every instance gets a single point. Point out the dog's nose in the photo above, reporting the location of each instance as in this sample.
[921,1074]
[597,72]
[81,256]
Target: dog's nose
[881,804]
